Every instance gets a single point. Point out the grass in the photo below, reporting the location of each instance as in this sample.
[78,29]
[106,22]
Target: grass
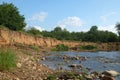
[67,75]
[51,77]
[88,47]
[61,47]
[7,60]
[34,47]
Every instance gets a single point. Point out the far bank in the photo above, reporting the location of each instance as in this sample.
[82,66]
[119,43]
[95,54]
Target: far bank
[9,38]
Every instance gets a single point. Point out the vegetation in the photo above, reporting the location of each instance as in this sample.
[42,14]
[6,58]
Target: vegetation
[118,28]
[93,35]
[34,31]
[34,47]
[67,75]
[7,60]
[88,47]
[52,77]
[10,17]
[61,47]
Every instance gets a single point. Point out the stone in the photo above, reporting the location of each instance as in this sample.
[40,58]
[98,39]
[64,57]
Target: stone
[107,78]
[43,58]
[111,73]
[34,67]
[16,78]
[19,65]
[88,77]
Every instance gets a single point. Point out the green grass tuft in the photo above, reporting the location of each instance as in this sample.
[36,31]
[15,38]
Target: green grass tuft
[7,60]
[60,47]
[34,47]
[88,47]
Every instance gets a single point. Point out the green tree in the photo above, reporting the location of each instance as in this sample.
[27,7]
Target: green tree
[92,34]
[93,29]
[10,17]
[112,37]
[57,29]
[118,28]
[34,31]
[61,34]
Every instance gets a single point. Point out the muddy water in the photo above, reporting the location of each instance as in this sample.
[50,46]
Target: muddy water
[96,61]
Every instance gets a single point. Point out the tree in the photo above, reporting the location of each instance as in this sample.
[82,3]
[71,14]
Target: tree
[57,29]
[93,29]
[118,28]
[112,37]
[34,31]
[92,34]
[10,17]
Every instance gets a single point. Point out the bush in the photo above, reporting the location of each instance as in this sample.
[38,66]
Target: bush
[7,60]
[51,77]
[34,31]
[34,47]
[62,47]
[88,47]
[54,49]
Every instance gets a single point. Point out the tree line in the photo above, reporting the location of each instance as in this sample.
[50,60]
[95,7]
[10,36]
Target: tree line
[93,35]
[11,18]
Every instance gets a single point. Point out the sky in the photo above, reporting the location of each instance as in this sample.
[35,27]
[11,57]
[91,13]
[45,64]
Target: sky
[74,15]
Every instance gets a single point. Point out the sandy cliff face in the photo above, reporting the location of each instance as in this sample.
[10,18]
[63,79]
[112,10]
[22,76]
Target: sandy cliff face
[8,37]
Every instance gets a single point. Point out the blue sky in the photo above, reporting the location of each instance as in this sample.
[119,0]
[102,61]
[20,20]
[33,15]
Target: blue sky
[74,15]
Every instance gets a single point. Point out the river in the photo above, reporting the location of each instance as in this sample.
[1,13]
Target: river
[96,61]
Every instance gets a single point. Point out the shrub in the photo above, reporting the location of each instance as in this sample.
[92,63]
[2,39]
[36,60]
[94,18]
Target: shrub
[88,47]
[51,77]
[54,49]
[62,47]
[34,47]
[7,60]
[35,32]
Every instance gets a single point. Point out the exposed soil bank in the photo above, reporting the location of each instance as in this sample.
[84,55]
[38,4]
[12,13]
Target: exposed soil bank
[8,37]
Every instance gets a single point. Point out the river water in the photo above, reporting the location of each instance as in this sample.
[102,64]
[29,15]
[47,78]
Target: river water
[96,61]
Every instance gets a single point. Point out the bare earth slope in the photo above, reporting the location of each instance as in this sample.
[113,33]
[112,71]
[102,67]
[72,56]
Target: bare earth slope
[8,37]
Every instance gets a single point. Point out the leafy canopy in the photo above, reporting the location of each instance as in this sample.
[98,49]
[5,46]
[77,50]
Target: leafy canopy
[34,31]
[118,28]
[10,17]
[93,35]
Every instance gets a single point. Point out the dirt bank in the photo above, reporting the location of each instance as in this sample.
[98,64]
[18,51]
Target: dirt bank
[8,38]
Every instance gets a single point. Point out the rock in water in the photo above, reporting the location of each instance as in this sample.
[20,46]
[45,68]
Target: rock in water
[107,78]
[111,73]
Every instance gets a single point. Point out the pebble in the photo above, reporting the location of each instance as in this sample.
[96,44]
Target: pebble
[19,65]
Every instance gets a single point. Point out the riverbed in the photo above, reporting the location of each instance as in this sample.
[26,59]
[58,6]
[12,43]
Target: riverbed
[95,61]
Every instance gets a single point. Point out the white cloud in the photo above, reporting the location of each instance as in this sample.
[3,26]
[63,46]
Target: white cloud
[70,22]
[37,27]
[108,27]
[105,17]
[38,17]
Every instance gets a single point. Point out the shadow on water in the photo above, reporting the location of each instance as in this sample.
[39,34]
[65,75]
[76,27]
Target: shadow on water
[96,61]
